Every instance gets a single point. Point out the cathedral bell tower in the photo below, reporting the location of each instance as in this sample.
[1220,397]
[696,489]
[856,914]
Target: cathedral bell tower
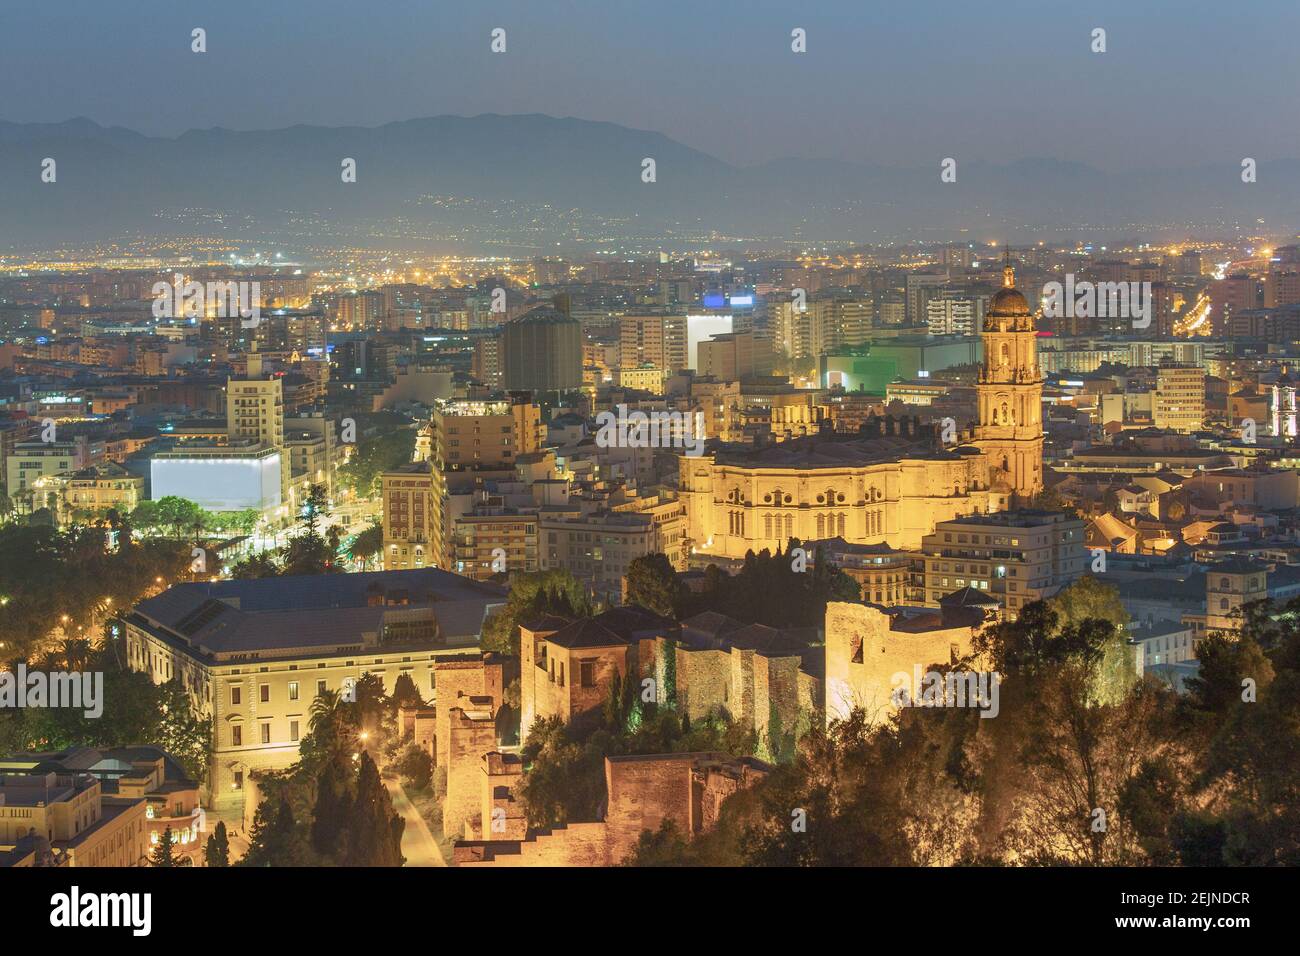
[1010,393]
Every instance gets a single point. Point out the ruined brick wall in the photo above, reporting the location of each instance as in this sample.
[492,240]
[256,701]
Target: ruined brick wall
[576,702]
[643,791]
[578,844]
[420,723]
[742,686]
[776,695]
[715,783]
[470,735]
[502,815]
[884,653]
[460,677]
[703,681]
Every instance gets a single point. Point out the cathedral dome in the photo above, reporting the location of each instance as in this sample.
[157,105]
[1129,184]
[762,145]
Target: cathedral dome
[1008,303]
[1008,306]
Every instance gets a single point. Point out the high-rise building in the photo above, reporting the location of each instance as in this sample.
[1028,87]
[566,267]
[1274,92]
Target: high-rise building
[1179,401]
[921,288]
[541,351]
[956,312]
[656,339]
[255,412]
[735,356]
[488,434]
[411,516]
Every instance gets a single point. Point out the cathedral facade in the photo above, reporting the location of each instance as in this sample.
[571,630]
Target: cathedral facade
[889,488]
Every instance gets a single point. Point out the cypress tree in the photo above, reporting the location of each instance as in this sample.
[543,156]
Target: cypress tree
[375,833]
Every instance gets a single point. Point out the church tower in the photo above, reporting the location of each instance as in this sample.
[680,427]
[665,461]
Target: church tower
[1010,393]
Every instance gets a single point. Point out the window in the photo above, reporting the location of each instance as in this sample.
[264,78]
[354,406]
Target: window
[266,733]
[561,675]
[321,685]
[237,736]
[236,696]
[587,673]
[293,690]
[293,730]
[265,693]
[239,780]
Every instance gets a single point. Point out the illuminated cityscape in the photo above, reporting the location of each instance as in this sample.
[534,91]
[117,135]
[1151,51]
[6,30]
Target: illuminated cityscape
[668,485]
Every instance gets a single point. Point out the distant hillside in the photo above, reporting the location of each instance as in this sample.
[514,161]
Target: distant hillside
[531,179]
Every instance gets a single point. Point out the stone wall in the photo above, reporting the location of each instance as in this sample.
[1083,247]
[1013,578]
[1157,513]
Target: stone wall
[471,734]
[643,791]
[459,677]
[502,816]
[863,654]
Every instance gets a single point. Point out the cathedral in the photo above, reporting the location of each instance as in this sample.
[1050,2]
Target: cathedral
[890,487]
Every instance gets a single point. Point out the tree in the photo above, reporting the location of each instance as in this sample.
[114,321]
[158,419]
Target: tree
[183,731]
[217,850]
[565,781]
[374,456]
[416,767]
[375,830]
[330,815]
[276,839]
[367,545]
[178,515]
[164,850]
[1087,599]
[533,594]
[405,693]
[652,583]
[260,565]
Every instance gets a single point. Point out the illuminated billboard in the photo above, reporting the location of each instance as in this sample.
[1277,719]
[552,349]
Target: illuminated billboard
[218,483]
[700,328]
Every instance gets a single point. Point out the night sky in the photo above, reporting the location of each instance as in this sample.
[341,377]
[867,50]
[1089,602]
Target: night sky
[900,82]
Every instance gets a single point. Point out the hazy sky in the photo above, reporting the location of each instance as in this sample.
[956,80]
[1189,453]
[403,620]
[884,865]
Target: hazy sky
[1183,82]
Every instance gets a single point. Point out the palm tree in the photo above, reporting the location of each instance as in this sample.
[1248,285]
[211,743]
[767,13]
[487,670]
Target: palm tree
[329,721]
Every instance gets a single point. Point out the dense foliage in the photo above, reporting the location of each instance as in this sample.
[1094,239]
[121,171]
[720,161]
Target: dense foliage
[1084,765]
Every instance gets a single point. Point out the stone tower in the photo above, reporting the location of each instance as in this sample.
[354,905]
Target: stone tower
[1010,393]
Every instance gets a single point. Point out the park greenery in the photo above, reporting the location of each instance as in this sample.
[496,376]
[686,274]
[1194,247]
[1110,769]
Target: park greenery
[314,549]
[66,584]
[768,588]
[136,711]
[374,456]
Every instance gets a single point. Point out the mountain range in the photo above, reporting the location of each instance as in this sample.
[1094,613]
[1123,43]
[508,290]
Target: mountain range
[532,181]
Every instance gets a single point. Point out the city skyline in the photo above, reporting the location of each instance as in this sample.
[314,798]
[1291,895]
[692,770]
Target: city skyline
[594,436]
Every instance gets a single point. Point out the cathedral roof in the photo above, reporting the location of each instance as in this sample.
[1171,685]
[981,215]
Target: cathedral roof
[1008,302]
